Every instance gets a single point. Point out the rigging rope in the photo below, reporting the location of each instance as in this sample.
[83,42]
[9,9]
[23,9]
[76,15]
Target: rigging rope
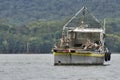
[73,18]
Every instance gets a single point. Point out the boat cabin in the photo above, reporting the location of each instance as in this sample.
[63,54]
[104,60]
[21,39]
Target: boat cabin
[86,39]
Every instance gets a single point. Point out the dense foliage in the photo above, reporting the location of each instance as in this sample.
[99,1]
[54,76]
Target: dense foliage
[113,34]
[39,36]
[33,25]
[35,37]
[23,11]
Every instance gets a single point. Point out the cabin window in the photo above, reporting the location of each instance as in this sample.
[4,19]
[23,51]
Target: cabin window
[82,38]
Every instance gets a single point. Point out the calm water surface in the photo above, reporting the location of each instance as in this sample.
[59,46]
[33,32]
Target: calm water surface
[40,67]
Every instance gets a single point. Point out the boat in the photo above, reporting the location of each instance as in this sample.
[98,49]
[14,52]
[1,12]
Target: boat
[83,43]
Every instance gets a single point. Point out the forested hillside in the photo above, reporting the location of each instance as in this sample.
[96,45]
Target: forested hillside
[23,11]
[33,25]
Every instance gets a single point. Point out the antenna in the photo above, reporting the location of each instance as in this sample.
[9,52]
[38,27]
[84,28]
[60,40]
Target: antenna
[104,24]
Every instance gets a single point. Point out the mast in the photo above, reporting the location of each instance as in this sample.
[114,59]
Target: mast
[84,12]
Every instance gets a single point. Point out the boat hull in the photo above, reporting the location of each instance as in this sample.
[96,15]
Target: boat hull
[63,58]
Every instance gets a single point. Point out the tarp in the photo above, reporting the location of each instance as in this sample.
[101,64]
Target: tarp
[88,30]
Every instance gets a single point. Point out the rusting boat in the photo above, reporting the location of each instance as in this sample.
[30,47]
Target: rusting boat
[82,44]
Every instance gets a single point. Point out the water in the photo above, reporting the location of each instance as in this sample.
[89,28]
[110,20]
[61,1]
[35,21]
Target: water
[40,67]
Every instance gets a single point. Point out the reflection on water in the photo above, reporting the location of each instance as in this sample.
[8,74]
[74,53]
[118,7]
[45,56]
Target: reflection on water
[40,67]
